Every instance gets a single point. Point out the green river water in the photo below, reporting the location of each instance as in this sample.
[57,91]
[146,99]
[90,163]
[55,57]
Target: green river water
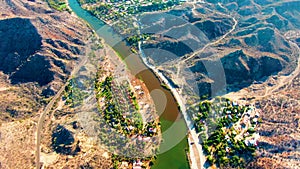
[174,129]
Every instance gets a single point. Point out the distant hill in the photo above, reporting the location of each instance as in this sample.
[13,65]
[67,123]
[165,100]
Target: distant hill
[38,49]
[256,48]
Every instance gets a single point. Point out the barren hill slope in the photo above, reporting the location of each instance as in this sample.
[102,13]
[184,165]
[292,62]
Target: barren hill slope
[247,37]
[38,49]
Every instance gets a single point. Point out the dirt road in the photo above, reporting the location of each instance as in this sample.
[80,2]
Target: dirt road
[48,109]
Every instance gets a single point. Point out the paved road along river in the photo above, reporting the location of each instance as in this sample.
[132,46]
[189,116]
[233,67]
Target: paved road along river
[173,125]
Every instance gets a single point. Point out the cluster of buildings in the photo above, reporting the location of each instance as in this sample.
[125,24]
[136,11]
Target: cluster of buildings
[125,6]
[246,127]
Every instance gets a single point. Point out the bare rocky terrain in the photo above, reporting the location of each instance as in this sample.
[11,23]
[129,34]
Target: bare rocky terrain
[38,49]
[248,50]
[254,49]
[279,142]
[41,49]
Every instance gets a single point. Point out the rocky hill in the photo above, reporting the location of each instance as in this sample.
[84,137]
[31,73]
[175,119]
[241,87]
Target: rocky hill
[250,49]
[247,48]
[255,60]
[38,49]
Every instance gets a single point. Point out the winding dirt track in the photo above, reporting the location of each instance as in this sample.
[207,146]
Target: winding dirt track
[212,43]
[48,109]
[196,152]
[285,79]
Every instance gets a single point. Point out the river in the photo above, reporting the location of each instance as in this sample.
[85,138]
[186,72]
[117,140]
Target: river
[173,126]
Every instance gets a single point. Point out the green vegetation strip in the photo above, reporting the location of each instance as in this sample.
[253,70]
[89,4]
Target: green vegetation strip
[59,5]
[123,113]
[73,95]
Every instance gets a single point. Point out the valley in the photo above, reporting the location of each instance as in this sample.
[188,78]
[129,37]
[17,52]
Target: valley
[149,84]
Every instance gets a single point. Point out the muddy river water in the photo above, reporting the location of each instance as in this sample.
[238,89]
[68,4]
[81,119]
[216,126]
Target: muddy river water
[173,148]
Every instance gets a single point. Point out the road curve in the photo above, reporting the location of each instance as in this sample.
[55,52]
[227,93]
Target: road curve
[180,100]
[212,43]
[47,110]
[285,79]
[181,103]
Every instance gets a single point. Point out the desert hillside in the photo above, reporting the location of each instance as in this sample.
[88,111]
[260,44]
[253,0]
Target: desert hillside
[245,50]
[38,49]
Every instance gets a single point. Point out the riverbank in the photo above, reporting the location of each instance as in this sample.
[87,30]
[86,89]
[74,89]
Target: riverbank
[172,150]
[189,122]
